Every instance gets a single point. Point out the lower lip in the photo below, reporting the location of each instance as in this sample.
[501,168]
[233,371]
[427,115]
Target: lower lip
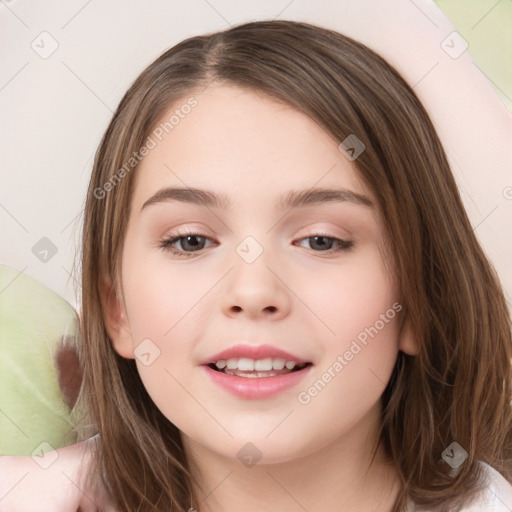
[256,387]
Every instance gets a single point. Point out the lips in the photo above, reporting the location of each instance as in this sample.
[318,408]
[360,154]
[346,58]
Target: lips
[231,370]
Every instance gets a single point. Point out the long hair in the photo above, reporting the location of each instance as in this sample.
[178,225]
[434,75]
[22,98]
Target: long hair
[456,389]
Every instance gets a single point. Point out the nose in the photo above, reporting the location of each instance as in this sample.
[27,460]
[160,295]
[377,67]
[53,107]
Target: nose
[256,290]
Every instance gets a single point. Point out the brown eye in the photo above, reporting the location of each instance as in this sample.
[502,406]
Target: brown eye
[324,243]
[186,243]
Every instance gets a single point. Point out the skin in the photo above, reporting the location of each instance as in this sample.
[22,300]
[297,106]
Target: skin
[56,484]
[314,456]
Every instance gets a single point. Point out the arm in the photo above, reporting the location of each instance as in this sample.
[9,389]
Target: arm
[52,483]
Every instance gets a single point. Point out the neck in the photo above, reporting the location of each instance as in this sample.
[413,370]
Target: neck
[339,476]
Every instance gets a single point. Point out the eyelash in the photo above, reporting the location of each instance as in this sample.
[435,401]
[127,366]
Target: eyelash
[166,243]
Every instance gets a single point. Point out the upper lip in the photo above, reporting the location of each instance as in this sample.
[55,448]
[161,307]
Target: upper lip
[255,352]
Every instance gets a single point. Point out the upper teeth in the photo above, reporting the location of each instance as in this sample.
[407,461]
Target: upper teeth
[246,364]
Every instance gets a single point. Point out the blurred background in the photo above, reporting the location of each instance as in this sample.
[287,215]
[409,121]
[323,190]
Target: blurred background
[487,26]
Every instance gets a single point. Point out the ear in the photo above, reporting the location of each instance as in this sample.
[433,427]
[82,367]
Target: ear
[115,318]
[407,341]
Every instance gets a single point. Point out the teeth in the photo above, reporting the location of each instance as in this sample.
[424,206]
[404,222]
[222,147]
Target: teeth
[278,364]
[232,364]
[249,365]
[245,364]
[263,365]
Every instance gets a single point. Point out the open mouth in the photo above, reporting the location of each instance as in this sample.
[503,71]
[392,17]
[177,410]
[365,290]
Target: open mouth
[258,373]
[256,379]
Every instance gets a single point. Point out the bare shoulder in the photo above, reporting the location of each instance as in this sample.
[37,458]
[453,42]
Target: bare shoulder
[53,481]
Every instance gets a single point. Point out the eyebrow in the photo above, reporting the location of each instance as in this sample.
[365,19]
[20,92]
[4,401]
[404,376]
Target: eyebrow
[293,199]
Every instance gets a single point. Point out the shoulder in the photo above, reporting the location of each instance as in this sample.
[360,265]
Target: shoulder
[496,495]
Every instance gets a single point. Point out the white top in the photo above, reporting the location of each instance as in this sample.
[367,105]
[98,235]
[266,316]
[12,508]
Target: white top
[495,497]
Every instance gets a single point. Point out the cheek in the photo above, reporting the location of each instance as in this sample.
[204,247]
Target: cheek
[166,306]
[161,297]
[352,298]
[361,313]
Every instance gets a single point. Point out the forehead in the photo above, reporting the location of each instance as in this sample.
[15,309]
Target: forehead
[239,142]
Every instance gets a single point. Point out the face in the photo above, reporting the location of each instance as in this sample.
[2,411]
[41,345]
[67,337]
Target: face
[276,279]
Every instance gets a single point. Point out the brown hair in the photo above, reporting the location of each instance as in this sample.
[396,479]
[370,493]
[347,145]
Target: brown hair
[457,389]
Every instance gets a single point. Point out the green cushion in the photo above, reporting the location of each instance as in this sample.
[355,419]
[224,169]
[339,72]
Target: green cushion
[33,322]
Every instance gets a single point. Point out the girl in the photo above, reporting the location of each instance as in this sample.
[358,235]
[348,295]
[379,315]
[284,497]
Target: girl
[283,301]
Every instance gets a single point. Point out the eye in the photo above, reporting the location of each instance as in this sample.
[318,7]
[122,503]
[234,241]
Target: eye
[189,242]
[324,243]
